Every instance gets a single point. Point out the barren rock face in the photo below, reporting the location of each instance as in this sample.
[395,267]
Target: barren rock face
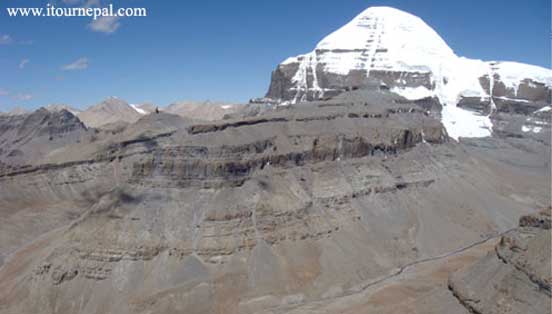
[382,173]
[516,277]
[26,138]
[273,210]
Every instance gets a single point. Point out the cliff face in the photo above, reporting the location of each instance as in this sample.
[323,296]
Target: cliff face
[516,277]
[359,201]
[263,210]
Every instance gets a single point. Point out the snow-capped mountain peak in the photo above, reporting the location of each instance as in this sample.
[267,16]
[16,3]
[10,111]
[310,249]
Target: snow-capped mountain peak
[388,38]
[404,53]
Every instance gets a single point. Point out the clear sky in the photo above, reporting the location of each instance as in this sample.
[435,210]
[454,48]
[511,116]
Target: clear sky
[224,50]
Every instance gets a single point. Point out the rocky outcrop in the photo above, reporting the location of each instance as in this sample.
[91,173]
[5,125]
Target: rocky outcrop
[516,277]
[291,204]
[522,96]
[357,195]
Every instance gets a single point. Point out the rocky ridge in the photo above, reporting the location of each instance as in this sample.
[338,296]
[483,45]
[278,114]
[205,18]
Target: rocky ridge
[346,202]
[286,206]
[516,277]
[26,137]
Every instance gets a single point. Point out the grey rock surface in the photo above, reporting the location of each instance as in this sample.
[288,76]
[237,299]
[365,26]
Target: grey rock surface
[516,277]
[282,208]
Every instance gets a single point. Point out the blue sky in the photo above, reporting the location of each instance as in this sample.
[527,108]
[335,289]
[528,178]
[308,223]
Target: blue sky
[224,50]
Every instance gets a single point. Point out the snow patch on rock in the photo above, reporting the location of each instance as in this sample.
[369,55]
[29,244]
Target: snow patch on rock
[544,109]
[465,123]
[512,73]
[530,128]
[413,93]
[139,110]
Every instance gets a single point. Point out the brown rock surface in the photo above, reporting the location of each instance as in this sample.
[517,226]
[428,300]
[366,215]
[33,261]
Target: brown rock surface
[516,277]
[286,208]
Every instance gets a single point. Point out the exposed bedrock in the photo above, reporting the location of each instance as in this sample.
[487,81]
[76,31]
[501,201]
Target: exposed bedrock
[183,166]
[525,98]
[527,89]
[26,138]
[290,206]
[328,84]
[288,234]
[516,277]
